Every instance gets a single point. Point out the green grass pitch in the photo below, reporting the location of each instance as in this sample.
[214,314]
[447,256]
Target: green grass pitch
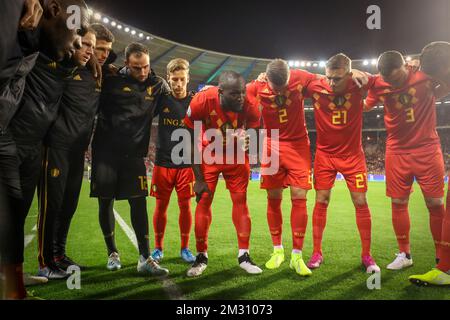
[340,277]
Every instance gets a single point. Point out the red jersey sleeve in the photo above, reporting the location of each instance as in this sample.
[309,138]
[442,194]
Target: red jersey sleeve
[372,99]
[197,111]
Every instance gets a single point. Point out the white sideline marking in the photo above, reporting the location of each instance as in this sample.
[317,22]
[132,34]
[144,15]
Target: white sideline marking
[169,286]
[29,237]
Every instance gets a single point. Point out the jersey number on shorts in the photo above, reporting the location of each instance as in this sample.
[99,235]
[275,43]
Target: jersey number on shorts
[339,117]
[361,180]
[143,180]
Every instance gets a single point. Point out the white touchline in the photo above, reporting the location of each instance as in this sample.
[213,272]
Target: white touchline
[172,290]
[29,237]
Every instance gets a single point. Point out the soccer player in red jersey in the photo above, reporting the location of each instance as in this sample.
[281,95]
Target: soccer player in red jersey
[221,109]
[435,61]
[167,174]
[413,149]
[338,108]
[282,101]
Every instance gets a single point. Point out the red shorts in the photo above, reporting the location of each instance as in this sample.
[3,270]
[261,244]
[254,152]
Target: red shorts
[164,180]
[427,168]
[353,168]
[236,176]
[294,166]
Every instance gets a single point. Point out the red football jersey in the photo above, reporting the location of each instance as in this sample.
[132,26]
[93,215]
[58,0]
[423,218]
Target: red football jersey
[409,113]
[205,107]
[284,112]
[338,117]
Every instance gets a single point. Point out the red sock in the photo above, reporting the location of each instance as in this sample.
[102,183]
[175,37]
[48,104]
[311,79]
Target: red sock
[319,223]
[436,217]
[444,259]
[401,223]
[299,221]
[241,219]
[275,220]
[13,285]
[185,221]
[364,223]
[203,217]
[160,221]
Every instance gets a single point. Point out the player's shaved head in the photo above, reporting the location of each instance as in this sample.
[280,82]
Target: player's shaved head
[389,61]
[230,79]
[435,60]
[232,91]
[278,72]
[57,39]
[339,61]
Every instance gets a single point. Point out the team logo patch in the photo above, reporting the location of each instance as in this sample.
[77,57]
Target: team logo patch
[55,173]
[126,89]
[166,110]
[149,91]
[77,78]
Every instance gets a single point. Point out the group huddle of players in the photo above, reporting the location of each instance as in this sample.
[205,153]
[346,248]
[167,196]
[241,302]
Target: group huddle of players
[61,92]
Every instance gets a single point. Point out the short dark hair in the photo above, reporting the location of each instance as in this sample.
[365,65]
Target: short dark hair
[102,32]
[277,72]
[389,61]
[137,49]
[435,58]
[228,77]
[339,61]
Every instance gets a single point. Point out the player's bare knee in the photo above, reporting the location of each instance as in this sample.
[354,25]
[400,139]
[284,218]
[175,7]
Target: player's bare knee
[323,196]
[400,200]
[434,202]
[275,194]
[359,199]
[298,193]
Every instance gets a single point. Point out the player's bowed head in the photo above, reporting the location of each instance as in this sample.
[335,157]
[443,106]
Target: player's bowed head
[338,71]
[232,91]
[435,61]
[58,41]
[393,68]
[278,74]
[137,61]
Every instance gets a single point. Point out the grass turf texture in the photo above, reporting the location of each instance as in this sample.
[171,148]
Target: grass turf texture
[340,277]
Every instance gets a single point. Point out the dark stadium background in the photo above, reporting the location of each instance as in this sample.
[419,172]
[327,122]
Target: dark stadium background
[302,29]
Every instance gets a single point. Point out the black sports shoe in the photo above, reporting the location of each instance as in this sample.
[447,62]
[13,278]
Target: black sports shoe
[65,263]
[200,264]
[53,273]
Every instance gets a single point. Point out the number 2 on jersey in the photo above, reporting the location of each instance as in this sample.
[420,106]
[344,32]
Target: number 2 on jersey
[283,115]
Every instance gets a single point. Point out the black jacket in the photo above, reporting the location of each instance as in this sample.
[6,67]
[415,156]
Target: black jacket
[125,114]
[73,126]
[41,99]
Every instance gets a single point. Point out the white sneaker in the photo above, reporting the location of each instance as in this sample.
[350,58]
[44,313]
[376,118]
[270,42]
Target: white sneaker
[400,262]
[246,263]
[200,264]
[150,266]
[113,262]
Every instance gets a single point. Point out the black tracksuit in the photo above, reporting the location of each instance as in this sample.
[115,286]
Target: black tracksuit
[63,170]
